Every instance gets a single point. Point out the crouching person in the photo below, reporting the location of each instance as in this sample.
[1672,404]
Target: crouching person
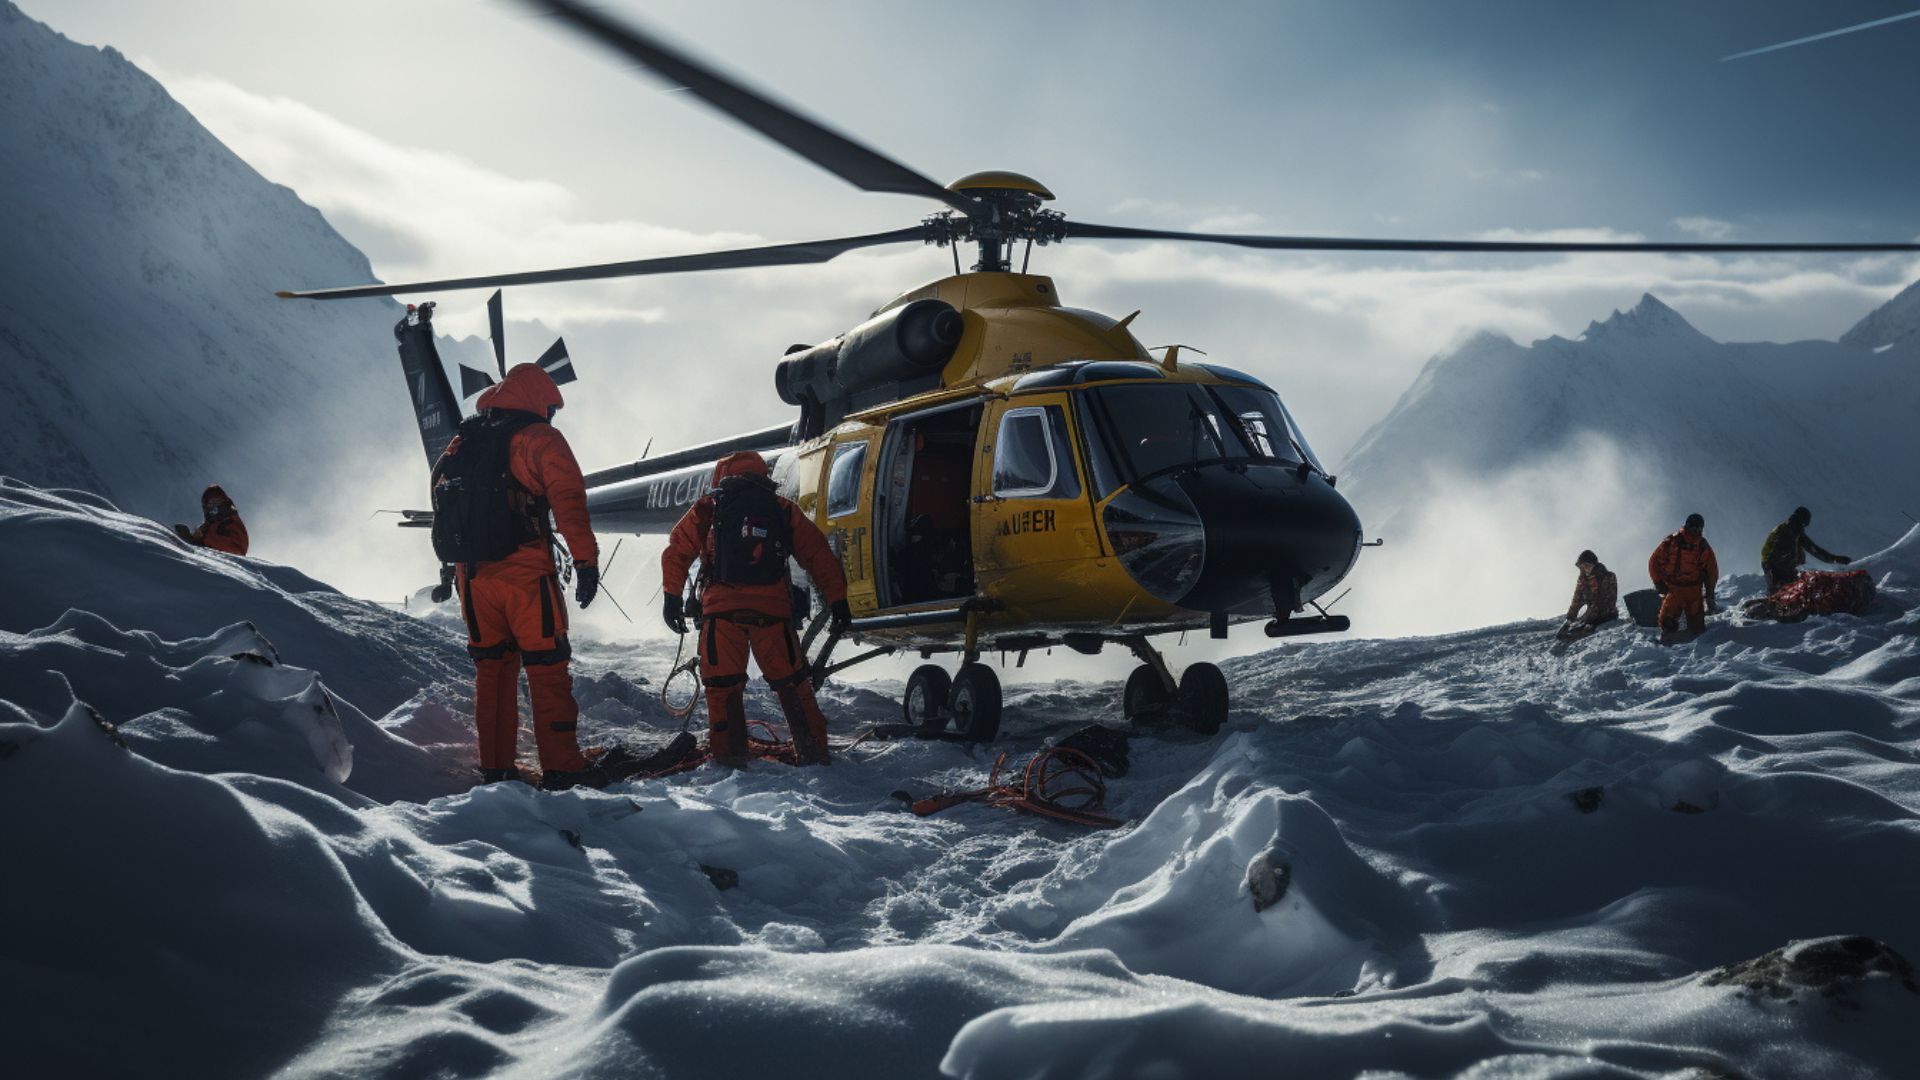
[221,528]
[1595,598]
[493,490]
[743,534]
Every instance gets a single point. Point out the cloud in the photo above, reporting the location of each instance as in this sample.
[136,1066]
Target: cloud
[1705,228]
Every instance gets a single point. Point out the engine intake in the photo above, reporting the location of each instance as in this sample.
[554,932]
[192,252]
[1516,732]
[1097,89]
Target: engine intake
[874,362]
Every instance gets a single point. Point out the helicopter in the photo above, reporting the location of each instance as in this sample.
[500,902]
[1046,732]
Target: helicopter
[997,471]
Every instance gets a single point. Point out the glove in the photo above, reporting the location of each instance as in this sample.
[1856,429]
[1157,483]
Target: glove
[1844,561]
[443,592]
[1660,587]
[842,616]
[586,585]
[674,612]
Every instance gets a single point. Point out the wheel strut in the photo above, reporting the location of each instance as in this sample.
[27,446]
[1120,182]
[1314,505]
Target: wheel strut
[1151,657]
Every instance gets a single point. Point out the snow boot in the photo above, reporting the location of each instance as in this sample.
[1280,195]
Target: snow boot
[562,779]
[497,776]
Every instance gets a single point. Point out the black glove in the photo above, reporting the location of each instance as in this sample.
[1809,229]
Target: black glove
[1660,587]
[1844,561]
[842,616]
[443,592]
[675,614]
[587,584]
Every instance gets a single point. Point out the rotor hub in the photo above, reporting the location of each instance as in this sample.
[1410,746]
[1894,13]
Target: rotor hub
[1006,210]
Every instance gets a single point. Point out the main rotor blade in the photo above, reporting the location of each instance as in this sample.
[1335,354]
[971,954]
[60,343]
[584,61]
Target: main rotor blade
[1081,230]
[811,251]
[497,331]
[863,167]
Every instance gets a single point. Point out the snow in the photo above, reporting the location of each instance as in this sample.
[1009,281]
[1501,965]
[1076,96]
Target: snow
[1497,861]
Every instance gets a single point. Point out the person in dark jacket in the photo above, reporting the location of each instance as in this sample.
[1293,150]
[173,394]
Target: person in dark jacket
[1787,547]
[1595,598]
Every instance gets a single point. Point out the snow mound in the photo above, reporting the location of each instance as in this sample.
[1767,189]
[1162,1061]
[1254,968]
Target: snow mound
[85,555]
[1446,855]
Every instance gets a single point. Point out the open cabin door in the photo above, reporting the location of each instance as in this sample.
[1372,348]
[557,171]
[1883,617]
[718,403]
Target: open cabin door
[922,538]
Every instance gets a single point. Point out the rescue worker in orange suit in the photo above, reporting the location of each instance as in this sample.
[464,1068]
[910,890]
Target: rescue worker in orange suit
[513,607]
[221,529]
[743,533]
[1684,572]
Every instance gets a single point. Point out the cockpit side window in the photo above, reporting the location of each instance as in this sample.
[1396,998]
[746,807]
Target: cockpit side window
[1261,422]
[1032,456]
[843,478]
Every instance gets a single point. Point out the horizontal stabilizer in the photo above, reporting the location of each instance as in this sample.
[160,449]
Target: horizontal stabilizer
[473,381]
[557,363]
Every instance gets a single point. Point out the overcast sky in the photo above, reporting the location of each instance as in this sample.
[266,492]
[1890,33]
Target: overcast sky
[461,136]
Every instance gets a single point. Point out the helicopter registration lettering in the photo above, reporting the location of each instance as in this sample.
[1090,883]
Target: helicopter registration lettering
[670,493]
[1027,521]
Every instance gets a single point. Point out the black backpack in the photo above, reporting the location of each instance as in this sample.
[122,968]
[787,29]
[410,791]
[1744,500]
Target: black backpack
[752,533]
[480,512]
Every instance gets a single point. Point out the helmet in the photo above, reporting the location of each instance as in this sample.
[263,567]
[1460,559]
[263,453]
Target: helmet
[1801,516]
[740,462]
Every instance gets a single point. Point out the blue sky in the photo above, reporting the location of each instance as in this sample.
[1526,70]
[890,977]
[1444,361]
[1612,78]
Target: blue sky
[462,136]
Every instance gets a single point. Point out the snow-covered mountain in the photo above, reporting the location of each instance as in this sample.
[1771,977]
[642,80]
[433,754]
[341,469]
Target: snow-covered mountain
[1896,322]
[142,352]
[1502,461]
[235,838]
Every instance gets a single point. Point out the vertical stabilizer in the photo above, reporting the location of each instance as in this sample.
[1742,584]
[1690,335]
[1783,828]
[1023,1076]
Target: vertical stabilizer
[435,408]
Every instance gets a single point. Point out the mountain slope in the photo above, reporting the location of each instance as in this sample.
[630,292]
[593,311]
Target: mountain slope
[142,353]
[1502,461]
[1481,859]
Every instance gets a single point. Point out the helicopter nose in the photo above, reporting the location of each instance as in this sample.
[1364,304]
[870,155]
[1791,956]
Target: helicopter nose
[1275,538]
[1240,538]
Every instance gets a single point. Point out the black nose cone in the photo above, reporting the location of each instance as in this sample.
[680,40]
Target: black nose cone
[1275,537]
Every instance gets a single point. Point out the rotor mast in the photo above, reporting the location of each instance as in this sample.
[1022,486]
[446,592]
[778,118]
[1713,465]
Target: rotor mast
[1006,210]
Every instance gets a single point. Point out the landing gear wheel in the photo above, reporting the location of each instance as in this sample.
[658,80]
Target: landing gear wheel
[975,703]
[1202,698]
[1145,699]
[925,702]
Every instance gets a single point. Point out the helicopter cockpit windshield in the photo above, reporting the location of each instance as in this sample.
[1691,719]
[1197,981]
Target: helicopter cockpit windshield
[1156,427]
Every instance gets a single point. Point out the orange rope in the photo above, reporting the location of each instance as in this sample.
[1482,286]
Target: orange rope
[1060,782]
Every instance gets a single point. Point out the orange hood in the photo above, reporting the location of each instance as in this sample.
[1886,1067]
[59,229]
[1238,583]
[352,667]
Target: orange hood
[526,388]
[739,463]
[215,492]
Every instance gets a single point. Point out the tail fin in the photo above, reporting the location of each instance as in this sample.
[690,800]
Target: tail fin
[434,407]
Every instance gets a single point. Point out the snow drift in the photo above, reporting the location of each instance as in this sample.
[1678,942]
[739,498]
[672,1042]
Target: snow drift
[1470,855]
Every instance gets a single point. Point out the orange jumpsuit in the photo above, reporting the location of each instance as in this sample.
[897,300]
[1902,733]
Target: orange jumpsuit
[514,608]
[1684,566]
[738,619]
[224,532]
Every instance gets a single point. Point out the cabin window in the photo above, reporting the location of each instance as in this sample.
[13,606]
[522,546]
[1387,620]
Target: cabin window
[1032,458]
[843,479]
